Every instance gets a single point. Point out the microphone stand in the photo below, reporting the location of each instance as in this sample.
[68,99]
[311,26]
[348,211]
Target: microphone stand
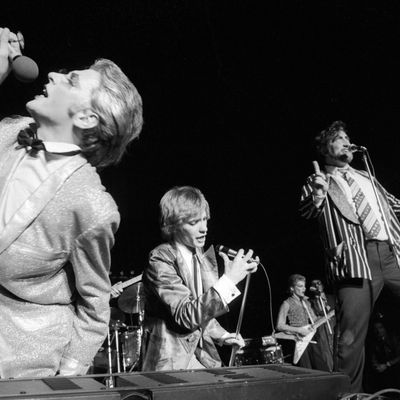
[240,319]
[321,302]
[378,200]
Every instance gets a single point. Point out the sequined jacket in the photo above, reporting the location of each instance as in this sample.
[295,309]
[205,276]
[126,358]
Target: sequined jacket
[175,319]
[54,262]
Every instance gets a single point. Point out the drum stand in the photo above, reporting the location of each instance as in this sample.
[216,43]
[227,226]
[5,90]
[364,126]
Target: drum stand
[110,380]
[115,336]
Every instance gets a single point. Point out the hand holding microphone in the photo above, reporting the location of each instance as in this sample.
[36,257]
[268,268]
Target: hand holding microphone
[11,58]
[242,264]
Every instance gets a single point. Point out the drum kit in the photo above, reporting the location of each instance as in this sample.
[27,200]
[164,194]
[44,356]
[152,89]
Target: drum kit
[124,336]
[256,351]
[121,351]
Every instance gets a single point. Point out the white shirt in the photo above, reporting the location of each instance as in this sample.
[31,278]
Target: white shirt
[226,289]
[29,175]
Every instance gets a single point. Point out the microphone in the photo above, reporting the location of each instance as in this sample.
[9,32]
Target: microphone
[354,148]
[229,252]
[24,69]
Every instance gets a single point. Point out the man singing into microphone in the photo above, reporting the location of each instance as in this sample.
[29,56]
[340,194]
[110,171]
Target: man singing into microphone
[355,240]
[57,221]
[183,292]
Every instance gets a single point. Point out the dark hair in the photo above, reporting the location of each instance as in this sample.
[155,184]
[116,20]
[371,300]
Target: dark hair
[327,135]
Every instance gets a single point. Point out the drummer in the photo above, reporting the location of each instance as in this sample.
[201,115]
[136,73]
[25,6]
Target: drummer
[183,292]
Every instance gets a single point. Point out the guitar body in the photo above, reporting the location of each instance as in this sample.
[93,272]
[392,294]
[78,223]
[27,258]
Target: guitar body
[301,346]
[303,341]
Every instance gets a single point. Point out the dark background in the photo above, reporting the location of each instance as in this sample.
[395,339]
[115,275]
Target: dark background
[234,93]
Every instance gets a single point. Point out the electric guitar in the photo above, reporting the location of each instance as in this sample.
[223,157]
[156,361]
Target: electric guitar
[303,341]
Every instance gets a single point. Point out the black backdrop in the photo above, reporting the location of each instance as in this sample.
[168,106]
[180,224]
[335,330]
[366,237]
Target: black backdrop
[234,92]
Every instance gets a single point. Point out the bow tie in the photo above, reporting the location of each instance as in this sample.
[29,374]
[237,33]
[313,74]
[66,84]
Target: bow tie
[28,138]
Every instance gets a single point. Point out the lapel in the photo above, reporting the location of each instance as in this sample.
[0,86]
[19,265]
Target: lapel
[340,201]
[183,271]
[209,268]
[35,203]
[8,165]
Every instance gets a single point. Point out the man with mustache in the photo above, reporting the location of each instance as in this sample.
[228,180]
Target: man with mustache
[359,256]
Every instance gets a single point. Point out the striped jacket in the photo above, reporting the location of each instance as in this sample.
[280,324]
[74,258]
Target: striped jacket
[342,235]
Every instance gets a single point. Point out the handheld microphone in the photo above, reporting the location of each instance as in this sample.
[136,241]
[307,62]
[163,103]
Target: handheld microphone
[229,252]
[24,69]
[354,148]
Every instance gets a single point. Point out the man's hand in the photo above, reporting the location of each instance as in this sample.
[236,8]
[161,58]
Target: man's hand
[319,183]
[230,339]
[305,330]
[9,49]
[237,269]
[116,290]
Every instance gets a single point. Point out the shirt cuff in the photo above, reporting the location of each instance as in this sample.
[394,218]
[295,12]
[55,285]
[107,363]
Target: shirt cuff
[70,366]
[226,289]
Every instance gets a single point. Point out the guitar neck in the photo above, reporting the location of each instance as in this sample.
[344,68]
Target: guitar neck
[131,281]
[324,319]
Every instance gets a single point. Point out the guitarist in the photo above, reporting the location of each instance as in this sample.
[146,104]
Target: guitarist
[296,317]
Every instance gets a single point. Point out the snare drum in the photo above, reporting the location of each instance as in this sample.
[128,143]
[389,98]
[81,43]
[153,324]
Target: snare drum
[131,344]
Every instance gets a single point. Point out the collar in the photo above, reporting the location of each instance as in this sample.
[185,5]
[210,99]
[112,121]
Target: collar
[300,299]
[185,251]
[334,170]
[61,147]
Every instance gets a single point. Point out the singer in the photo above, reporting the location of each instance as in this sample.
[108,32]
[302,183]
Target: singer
[183,292]
[355,241]
[57,221]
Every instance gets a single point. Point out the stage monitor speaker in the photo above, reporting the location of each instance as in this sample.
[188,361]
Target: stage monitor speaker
[257,382]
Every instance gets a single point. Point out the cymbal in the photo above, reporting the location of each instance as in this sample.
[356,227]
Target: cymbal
[116,316]
[132,298]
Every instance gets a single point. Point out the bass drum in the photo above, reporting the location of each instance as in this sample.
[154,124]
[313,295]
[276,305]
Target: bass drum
[271,355]
[131,341]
